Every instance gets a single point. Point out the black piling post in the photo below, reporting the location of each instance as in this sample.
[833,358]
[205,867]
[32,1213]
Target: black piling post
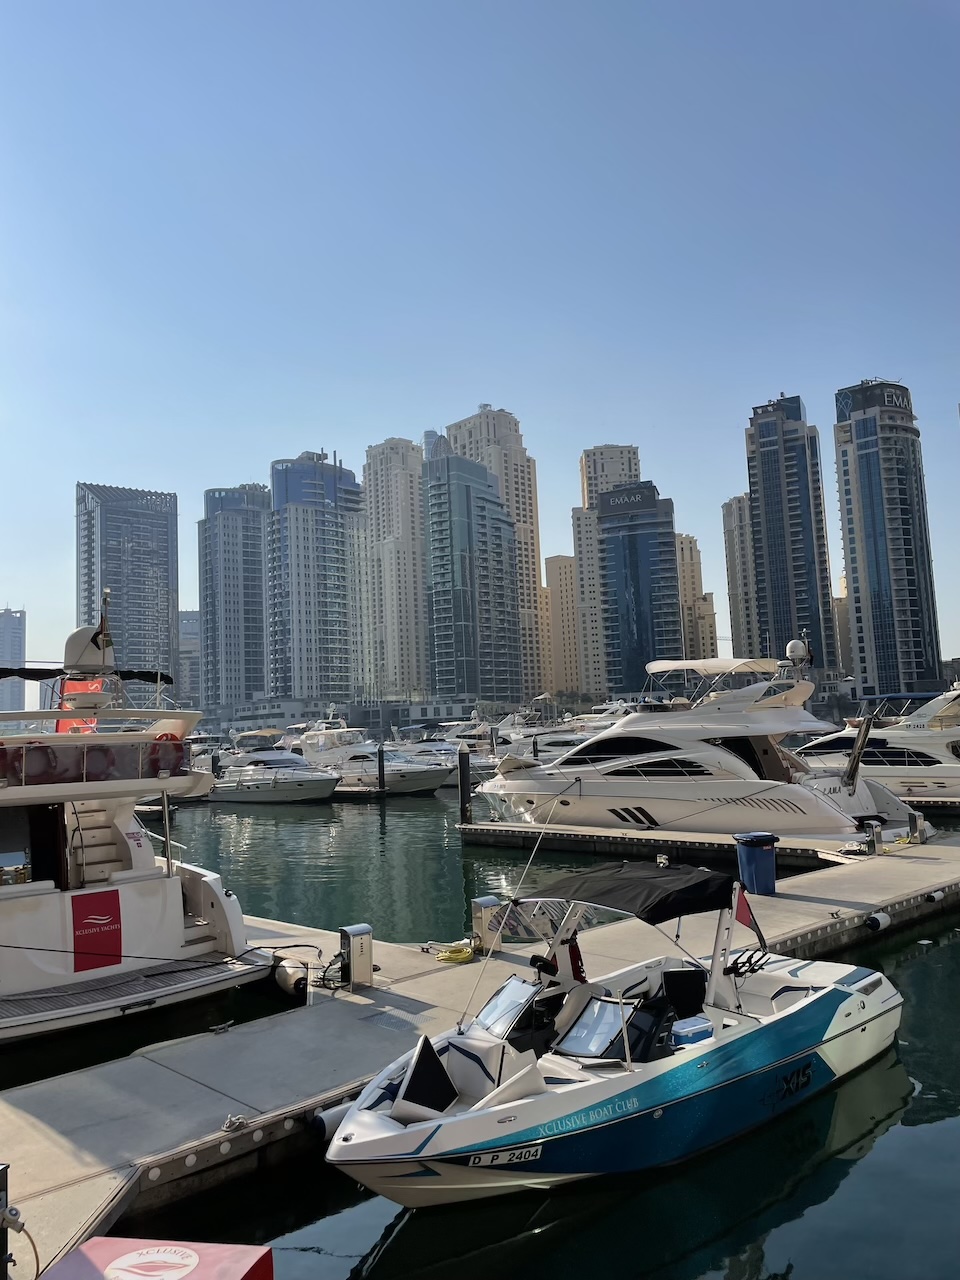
[463,778]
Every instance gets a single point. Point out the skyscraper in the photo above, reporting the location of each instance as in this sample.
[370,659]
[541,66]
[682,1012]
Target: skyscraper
[396,610]
[315,580]
[639,583]
[562,592]
[471,582]
[188,676]
[13,653]
[895,639]
[233,619]
[601,469]
[696,605]
[741,585]
[791,563]
[127,541]
[492,438]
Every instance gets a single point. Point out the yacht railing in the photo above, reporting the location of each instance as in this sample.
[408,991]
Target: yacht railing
[43,764]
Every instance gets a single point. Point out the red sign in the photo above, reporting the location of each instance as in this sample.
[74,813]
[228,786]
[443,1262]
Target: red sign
[117,1259]
[97,935]
[67,687]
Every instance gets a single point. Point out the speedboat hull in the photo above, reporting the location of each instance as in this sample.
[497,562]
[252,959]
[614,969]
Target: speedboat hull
[629,1120]
[415,780]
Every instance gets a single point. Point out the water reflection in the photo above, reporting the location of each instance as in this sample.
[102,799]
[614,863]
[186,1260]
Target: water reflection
[398,866]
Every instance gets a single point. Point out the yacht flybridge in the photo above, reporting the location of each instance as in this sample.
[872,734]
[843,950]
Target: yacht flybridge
[93,923]
[715,765]
[916,756]
[561,1077]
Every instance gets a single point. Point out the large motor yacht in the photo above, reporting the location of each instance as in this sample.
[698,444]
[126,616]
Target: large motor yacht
[257,771]
[349,753]
[93,923]
[716,767]
[916,756]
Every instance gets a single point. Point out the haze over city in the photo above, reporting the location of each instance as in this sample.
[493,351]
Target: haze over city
[235,233]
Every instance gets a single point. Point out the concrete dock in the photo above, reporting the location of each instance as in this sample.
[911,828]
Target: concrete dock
[173,1118]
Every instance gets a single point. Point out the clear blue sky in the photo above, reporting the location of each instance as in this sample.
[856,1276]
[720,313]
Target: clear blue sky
[231,231]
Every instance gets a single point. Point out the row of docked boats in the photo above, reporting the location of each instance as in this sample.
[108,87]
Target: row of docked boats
[308,764]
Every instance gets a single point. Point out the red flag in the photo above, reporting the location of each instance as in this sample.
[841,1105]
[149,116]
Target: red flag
[746,917]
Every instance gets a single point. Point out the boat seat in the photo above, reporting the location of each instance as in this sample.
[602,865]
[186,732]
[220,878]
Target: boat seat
[525,1084]
[474,1065]
[685,990]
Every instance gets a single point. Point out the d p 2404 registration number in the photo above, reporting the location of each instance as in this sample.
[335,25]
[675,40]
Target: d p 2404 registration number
[508,1156]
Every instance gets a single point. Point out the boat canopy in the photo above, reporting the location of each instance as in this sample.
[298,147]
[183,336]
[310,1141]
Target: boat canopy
[652,894]
[39,674]
[715,666]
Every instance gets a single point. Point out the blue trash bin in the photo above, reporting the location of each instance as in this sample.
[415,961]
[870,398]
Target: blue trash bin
[757,860]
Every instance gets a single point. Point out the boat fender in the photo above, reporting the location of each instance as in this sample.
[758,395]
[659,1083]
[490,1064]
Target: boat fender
[292,977]
[166,754]
[936,896]
[879,920]
[331,1119]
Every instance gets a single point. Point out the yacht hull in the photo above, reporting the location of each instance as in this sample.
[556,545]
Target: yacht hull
[723,807]
[401,782]
[309,791]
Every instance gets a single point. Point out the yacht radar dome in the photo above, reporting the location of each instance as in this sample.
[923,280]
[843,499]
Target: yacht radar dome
[88,651]
[797,653]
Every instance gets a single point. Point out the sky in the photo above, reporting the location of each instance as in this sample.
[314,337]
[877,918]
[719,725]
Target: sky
[232,231]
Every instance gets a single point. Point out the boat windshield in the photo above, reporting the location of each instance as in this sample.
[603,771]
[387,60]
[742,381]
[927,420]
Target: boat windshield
[598,1032]
[502,1009]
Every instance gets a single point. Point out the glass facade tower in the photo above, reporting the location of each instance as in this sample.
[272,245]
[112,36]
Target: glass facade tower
[894,636]
[794,597]
[127,541]
[472,596]
[639,583]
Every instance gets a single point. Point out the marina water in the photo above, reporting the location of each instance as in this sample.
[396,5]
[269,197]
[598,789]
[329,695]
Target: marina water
[860,1182]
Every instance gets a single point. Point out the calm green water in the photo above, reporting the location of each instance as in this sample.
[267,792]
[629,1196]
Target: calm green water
[398,866]
[861,1182]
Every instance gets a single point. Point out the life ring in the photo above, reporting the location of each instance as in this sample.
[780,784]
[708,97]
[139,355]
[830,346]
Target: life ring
[99,764]
[22,767]
[166,754]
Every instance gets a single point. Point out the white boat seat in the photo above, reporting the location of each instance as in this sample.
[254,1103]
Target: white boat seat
[474,1065]
[525,1084]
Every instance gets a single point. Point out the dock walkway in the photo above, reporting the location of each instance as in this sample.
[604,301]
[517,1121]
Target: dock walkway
[175,1117]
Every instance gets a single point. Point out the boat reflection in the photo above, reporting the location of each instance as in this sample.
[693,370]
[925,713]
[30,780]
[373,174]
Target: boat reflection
[685,1224]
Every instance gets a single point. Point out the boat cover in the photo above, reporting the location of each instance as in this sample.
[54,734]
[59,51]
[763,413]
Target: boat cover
[653,894]
[54,673]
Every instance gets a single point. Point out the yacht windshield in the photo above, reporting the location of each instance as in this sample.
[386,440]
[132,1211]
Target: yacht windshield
[593,1033]
[502,1009]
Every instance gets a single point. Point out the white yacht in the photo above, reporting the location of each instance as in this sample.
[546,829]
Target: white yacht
[716,767]
[273,776]
[94,924]
[916,756]
[349,753]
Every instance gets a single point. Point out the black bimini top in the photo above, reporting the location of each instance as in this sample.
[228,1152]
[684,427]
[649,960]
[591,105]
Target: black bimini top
[653,894]
[54,673]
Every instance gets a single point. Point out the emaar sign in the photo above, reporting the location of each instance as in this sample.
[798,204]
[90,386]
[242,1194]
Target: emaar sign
[897,398]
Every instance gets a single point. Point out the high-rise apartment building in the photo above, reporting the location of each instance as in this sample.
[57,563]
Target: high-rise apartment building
[315,580]
[895,639]
[791,563]
[13,653]
[601,469]
[696,606]
[562,597]
[127,542]
[606,467]
[233,583]
[472,592]
[741,585]
[639,583]
[841,615]
[492,438]
[395,617]
[188,676]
